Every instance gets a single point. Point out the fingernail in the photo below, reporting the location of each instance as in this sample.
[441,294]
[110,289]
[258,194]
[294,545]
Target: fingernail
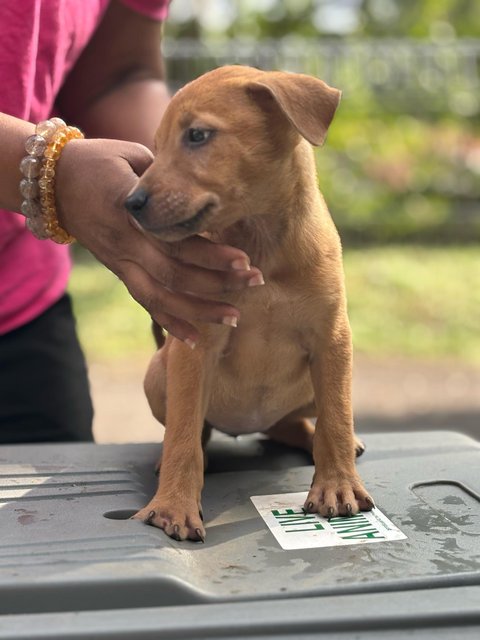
[190,343]
[256,280]
[240,264]
[230,320]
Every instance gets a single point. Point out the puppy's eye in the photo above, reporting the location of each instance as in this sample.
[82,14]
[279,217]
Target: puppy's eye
[196,137]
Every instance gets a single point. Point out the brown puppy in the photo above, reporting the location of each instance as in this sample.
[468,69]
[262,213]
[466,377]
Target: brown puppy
[234,161]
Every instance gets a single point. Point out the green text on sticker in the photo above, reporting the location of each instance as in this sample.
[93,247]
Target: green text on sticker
[301,521]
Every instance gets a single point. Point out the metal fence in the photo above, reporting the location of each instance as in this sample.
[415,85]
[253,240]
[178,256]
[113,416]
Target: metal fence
[403,75]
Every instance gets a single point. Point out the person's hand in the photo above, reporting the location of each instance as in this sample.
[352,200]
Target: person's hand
[174,282]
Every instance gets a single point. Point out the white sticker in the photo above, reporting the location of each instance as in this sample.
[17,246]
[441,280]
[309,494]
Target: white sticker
[295,529]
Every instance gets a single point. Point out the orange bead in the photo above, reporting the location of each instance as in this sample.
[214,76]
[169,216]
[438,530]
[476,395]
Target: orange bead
[47,223]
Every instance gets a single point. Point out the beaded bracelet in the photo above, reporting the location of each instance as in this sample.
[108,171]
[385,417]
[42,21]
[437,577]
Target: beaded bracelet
[38,184]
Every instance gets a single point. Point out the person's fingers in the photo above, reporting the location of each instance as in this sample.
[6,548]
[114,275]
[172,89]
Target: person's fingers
[184,306]
[202,252]
[206,282]
[180,329]
[142,289]
[180,276]
[138,157]
[170,309]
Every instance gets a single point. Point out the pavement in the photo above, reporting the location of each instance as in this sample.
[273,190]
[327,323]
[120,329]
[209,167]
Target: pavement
[388,395]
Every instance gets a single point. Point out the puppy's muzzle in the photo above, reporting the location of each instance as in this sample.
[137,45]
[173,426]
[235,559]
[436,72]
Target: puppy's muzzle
[137,202]
[171,215]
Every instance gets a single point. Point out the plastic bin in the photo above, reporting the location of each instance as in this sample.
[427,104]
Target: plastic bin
[72,565]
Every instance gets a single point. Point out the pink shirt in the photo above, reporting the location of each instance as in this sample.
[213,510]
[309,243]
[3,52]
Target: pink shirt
[40,42]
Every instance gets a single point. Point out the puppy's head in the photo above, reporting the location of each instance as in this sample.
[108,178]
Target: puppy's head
[221,145]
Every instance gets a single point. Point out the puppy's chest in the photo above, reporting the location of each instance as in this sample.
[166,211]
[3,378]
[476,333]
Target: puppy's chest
[263,372]
[274,320]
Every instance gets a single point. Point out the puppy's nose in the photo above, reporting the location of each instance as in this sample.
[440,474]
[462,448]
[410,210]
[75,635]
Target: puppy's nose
[136,202]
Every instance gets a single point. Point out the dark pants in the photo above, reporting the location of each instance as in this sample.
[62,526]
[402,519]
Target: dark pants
[44,391]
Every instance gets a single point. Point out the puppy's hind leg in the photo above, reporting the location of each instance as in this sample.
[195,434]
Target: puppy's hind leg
[293,431]
[296,430]
[206,434]
[155,382]
[155,390]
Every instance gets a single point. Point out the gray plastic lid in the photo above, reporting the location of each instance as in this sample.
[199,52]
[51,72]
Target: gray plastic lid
[60,554]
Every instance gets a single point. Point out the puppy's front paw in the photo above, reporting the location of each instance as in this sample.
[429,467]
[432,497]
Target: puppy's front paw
[179,521]
[338,496]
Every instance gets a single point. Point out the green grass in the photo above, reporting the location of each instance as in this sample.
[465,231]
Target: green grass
[110,323]
[415,301]
[403,301]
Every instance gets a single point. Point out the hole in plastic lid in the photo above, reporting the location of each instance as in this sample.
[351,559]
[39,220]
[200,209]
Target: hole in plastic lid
[120,514]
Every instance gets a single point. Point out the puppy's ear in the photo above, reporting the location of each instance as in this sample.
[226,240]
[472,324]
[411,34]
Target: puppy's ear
[308,103]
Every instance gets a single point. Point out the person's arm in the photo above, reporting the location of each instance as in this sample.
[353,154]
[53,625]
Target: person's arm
[116,90]
[13,133]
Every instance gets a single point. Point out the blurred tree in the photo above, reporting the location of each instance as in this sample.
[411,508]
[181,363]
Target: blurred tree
[437,19]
